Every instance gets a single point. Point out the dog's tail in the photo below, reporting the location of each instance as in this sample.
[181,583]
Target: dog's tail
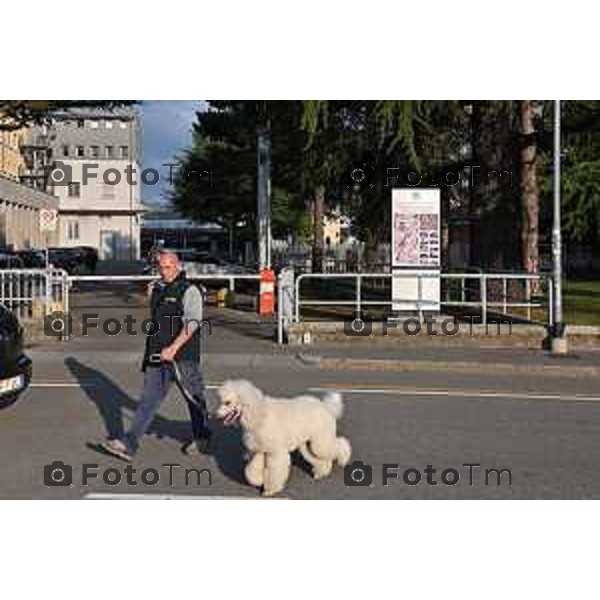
[334,404]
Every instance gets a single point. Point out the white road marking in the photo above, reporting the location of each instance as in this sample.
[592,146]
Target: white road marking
[61,384]
[69,384]
[458,394]
[111,496]
[509,395]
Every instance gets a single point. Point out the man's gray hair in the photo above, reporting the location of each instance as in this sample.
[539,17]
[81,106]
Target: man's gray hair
[170,253]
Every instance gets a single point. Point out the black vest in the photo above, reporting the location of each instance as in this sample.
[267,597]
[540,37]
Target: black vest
[166,307]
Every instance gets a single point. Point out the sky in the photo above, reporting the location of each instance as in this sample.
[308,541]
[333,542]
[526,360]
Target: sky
[166,130]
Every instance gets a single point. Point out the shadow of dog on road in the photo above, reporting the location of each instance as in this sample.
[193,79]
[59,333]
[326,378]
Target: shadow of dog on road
[228,451]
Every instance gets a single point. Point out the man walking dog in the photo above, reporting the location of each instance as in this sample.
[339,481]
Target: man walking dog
[176,308]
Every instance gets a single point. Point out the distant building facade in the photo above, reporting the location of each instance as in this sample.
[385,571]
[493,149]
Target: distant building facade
[166,227]
[104,211]
[11,158]
[20,207]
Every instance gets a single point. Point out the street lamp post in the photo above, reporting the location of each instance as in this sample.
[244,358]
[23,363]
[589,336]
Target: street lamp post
[559,340]
[264,199]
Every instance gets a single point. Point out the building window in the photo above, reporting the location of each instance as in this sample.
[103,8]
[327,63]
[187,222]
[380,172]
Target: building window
[73,230]
[123,124]
[74,190]
[109,124]
[94,124]
[109,151]
[124,152]
[80,151]
[94,151]
[65,150]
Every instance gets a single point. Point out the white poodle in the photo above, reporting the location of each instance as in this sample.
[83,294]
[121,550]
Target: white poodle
[274,427]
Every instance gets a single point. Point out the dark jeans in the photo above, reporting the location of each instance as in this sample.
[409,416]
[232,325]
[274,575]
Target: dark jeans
[157,382]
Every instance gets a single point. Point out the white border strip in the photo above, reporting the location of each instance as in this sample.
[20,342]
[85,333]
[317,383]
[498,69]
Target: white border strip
[459,394]
[112,496]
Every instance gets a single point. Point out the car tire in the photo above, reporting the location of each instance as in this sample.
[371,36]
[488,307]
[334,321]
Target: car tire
[8,400]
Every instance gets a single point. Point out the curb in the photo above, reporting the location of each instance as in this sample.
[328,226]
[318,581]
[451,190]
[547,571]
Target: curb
[457,367]
[44,354]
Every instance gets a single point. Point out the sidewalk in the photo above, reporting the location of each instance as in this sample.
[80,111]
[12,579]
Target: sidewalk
[244,340]
[504,362]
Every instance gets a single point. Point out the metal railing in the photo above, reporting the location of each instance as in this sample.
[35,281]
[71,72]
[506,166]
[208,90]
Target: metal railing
[231,279]
[485,301]
[33,293]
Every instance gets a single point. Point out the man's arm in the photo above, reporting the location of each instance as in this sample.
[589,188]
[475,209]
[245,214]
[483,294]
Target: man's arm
[191,319]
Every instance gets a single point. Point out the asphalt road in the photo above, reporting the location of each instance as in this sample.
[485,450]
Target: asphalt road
[546,431]
[541,423]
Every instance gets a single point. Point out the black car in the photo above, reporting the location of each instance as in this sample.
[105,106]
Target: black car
[75,260]
[9,260]
[65,258]
[33,259]
[88,257]
[15,367]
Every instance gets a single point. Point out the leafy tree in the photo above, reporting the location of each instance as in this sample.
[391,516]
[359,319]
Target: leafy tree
[225,146]
[15,114]
[580,171]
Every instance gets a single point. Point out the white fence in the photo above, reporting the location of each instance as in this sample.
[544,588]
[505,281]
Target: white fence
[490,294]
[347,257]
[33,293]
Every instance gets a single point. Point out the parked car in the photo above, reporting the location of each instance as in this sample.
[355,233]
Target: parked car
[197,262]
[75,260]
[65,258]
[15,366]
[33,259]
[88,257]
[10,260]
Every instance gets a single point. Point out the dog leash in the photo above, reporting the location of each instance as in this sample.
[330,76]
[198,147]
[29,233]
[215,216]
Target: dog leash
[154,359]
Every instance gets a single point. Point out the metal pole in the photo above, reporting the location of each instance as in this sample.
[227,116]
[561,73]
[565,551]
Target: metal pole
[261,201]
[279,311]
[264,199]
[556,233]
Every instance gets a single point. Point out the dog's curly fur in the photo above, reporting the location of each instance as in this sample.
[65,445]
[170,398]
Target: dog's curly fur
[275,427]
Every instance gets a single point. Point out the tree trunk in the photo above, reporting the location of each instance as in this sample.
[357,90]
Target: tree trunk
[318,212]
[529,189]
[370,252]
[475,258]
[445,231]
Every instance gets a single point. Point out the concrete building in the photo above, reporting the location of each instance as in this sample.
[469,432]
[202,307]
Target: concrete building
[20,209]
[336,229]
[11,158]
[169,228]
[103,209]
[20,206]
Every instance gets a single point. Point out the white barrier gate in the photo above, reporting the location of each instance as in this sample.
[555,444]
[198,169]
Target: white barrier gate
[33,293]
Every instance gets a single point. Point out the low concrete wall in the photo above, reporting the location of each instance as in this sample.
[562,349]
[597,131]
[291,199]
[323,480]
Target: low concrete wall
[522,336]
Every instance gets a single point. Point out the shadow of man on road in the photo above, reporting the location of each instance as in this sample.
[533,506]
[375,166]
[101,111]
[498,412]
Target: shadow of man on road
[112,402]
